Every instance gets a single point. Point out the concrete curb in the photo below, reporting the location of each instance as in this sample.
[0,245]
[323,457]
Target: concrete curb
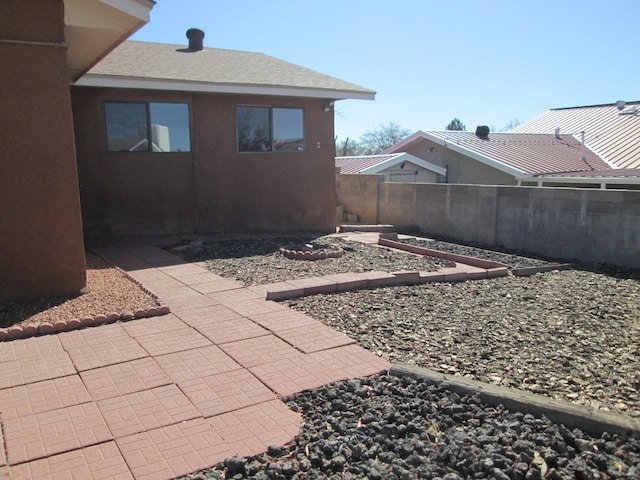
[558,411]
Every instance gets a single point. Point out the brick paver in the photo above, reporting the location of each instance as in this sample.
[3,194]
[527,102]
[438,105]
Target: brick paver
[98,462]
[124,378]
[255,428]
[165,396]
[259,350]
[172,451]
[256,306]
[225,392]
[277,320]
[146,410]
[42,396]
[314,337]
[200,362]
[289,375]
[183,337]
[100,346]
[351,361]
[21,361]
[55,431]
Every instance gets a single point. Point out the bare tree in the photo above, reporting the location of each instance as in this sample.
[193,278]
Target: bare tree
[456,124]
[382,137]
[347,147]
[511,124]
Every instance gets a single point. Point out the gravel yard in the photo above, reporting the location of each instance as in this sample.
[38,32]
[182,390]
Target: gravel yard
[566,334]
[259,262]
[572,334]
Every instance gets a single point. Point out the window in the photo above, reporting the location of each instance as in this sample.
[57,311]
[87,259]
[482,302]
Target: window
[266,129]
[147,127]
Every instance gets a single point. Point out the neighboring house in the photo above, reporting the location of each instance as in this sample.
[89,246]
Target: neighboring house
[488,158]
[186,139]
[155,139]
[612,131]
[396,167]
[44,46]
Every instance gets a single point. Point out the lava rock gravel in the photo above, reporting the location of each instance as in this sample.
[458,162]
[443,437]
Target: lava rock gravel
[388,427]
[259,261]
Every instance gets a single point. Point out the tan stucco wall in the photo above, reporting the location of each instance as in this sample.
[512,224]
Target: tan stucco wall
[410,173]
[41,245]
[213,188]
[460,169]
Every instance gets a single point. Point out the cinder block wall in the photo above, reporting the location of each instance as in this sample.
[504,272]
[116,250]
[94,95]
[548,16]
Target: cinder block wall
[563,223]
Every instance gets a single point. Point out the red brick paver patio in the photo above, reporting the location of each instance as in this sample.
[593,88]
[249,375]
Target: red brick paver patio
[165,396]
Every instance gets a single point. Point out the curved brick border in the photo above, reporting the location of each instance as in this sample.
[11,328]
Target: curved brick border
[332,251]
[31,330]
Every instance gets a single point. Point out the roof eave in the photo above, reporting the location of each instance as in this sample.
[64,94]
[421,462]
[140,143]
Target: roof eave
[110,81]
[405,157]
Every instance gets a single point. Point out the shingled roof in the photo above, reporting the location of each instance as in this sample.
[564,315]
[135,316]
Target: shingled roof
[611,130]
[163,66]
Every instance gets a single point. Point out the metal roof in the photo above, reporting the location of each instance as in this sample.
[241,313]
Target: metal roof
[161,66]
[378,163]
[611,132]
[521,154]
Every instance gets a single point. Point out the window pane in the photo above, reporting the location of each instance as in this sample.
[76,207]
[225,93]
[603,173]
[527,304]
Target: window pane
[170,127]
[253,129]
[126,127]
[288,129]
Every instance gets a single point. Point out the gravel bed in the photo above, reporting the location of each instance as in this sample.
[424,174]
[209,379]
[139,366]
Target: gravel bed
[108,290]
[259,262]
[388,427]
[513,261]
[565,334]
[571,334]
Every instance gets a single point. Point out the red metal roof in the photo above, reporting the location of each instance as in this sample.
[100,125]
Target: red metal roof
[611,132]
[357,164]
[526,153]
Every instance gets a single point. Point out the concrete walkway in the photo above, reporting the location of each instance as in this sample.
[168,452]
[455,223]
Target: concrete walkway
[164,396]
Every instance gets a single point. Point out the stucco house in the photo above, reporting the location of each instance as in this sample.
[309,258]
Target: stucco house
[395,167]
[44,47]
[110,137]
[184,139]
[528,159]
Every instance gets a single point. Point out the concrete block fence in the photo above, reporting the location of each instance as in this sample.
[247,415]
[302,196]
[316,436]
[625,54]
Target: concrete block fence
[601,226]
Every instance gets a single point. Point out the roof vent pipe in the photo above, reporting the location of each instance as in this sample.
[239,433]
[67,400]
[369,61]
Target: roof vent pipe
[195,37]
[558,133]
[620,104]
[482,131]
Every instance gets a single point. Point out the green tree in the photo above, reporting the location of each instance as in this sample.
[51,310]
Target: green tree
[382,137]
[456,124]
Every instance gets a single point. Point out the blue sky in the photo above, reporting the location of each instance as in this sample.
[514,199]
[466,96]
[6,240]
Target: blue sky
[429,61]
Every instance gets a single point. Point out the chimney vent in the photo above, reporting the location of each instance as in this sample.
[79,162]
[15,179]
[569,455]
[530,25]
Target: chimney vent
[482,131]
[195,37]
[620,104]
[558,133]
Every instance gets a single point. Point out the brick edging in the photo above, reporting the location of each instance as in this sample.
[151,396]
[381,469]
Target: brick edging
[453,257]
[16,332]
